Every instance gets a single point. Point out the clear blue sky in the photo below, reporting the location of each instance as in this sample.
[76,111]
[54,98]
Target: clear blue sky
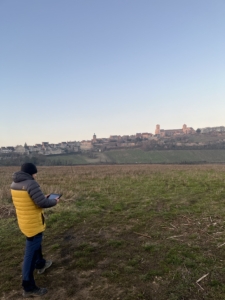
[72,68]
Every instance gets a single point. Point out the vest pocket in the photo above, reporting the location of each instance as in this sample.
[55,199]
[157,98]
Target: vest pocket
[43,219]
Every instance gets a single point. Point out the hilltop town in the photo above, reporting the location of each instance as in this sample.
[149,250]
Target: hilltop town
[161,139]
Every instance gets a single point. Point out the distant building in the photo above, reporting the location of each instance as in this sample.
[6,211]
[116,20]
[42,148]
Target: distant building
[63,145]
[33,149]
[86,145]
[38,145]
[73,146]
[125,137]
[114,137]
[45,145]
[53,151]
[146,135]
[21,150]
[138,135]
[171,132]
[212,129]
[133,137]
[6,149]
[94,140]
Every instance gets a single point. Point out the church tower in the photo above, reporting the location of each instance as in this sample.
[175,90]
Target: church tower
[94,138]
[157,130]
[185,129]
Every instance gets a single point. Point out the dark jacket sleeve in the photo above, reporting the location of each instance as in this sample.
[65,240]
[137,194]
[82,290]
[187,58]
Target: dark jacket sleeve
[38,197]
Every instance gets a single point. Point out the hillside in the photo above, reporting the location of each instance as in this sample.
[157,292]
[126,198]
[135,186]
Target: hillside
[192,148]
[130,156]
[168,156]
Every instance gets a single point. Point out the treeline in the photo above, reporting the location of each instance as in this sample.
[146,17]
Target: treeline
[10,159]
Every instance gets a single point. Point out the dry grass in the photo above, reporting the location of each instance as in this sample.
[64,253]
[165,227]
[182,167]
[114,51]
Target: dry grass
[125,232]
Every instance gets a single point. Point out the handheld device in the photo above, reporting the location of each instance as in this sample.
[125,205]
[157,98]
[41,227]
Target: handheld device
[54,196]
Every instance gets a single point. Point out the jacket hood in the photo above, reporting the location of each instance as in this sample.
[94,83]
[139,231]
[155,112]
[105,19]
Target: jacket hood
[21,176]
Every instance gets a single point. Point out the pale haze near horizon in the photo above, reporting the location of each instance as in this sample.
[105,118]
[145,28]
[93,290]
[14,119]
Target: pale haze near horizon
[69,69]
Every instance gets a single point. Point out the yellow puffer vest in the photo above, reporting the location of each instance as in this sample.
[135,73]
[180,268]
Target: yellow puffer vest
[30,217]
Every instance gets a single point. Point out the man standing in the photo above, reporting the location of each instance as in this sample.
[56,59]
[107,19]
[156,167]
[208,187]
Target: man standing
[29,202]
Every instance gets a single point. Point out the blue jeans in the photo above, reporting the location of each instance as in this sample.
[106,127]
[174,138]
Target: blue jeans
[33,259]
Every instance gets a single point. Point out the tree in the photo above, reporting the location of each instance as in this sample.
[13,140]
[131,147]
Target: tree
[198,130]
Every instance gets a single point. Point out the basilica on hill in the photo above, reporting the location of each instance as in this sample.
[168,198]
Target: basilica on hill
[171,132]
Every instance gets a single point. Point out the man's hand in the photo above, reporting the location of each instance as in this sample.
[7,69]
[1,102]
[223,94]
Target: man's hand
[46,196]
[57,200]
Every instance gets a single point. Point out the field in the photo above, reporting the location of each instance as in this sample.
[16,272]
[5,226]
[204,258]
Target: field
[124,232]
[166,156]
[133,156]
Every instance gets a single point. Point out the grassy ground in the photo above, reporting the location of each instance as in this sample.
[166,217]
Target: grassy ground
[82,159]
[166,156]
[67,159]
[124,232]
[133,156]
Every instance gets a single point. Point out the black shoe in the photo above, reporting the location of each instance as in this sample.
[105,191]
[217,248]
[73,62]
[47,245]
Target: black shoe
[35,293]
